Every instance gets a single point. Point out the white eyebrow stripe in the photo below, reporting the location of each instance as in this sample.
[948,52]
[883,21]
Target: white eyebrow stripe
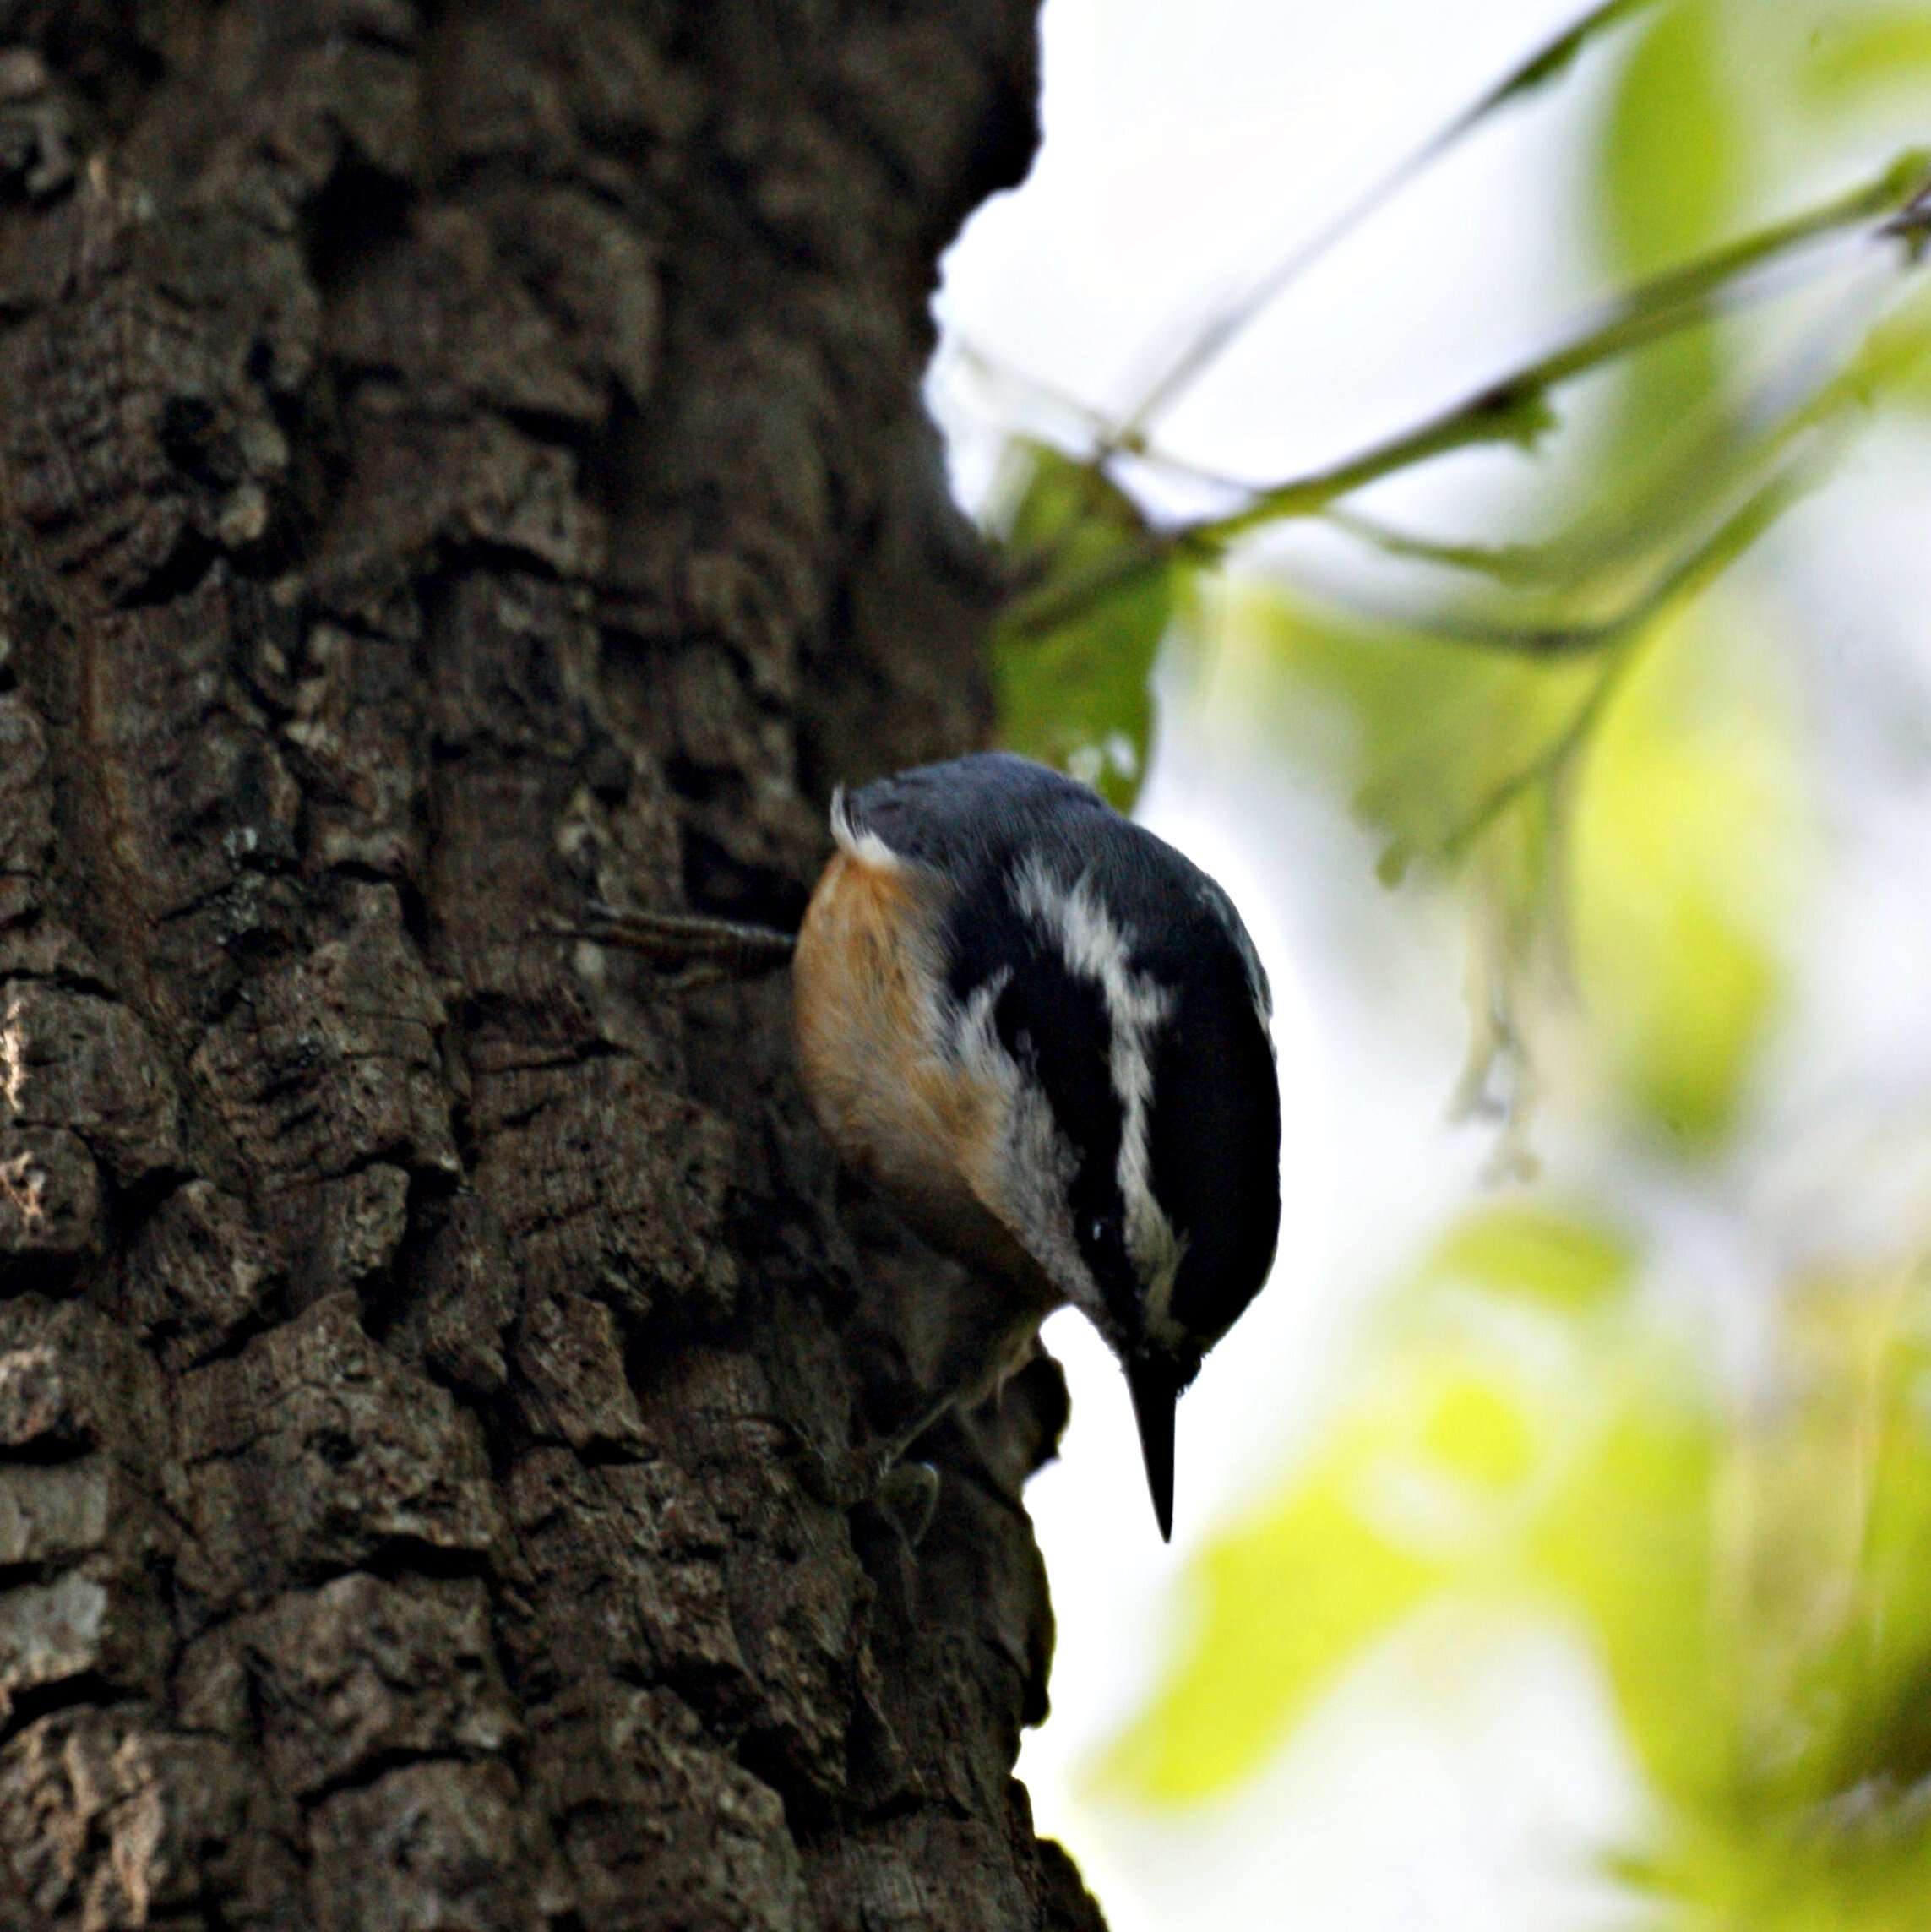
[1095,948]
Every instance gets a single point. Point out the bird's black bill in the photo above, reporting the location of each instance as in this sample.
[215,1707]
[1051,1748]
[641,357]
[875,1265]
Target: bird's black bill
[1156,1395]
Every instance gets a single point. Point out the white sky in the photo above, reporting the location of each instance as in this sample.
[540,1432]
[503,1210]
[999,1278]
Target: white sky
[1461,1779]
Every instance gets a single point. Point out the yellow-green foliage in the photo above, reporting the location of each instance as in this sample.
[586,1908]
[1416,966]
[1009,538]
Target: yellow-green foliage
[1591,730]
[1687,856]
[1076,695]
[1754,1579]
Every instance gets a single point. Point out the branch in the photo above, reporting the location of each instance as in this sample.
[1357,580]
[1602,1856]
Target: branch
[1711,467]
[1517,408]
[1547,642]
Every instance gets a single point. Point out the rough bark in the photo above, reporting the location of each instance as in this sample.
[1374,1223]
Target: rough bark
[457,460]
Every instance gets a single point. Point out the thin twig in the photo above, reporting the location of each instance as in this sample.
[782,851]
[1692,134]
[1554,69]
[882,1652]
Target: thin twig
[1517,406]
[1547,643]
[1089,427]
[1506,562]
[1238,312]
[1710,558]
[1515,409]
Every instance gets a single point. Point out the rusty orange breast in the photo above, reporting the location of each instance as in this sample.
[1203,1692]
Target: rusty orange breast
[900,1110]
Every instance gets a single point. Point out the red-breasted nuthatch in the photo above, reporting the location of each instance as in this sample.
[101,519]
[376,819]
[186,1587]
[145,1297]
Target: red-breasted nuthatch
[1044,1034]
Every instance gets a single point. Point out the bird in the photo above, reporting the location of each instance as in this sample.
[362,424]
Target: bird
[1043,1035]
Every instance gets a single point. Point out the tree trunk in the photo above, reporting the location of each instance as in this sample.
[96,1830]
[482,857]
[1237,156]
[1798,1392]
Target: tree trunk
[459,461]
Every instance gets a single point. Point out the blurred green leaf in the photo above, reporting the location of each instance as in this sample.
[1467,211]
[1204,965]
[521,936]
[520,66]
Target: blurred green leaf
[1421,730]
[1558,1260]
[1894,366]
[1624,1547]
[1659,787]
[1754,1584]
[1855,1658]
[1673,172]
[1822,1521]
[1251,1672]
[1553,60]
[1845,60]
[1673,175]
[1685,866]
[1078,694]
[1435,1476]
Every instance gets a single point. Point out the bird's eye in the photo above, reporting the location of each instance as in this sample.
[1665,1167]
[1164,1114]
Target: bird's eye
[1097,1231]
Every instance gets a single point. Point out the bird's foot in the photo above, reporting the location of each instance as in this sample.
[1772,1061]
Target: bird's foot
[877,1481]
[907,1497]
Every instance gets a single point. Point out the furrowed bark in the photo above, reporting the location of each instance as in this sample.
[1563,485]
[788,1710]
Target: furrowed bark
[457,462]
